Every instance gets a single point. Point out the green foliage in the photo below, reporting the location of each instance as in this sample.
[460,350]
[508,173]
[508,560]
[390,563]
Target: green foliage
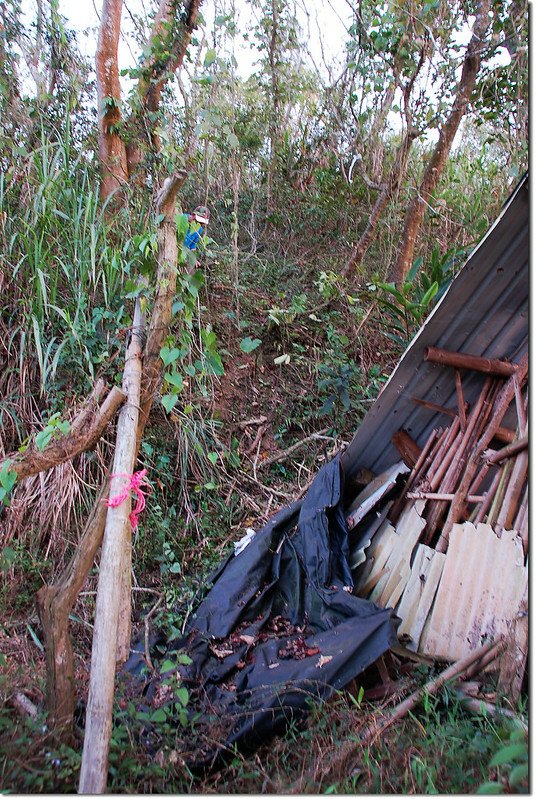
[8,478]
[405,309]
[249,344]
[54,428]
[511,764]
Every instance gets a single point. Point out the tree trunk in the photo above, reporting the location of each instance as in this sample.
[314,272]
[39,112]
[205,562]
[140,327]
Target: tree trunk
[112,149]
[275,112]
[94,768]
[54,604]
[168,42]
[166,283]
[171,33]
[387,191]
[415,214]
[113,597]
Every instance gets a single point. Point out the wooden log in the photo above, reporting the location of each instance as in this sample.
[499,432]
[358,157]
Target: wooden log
[85,431]
[432,406]
[507,452]
[462,360]
[500,406]
[407,447]
[486,503]
[509,509]
[458,462]
[94,767]
[461,402]
[124,623]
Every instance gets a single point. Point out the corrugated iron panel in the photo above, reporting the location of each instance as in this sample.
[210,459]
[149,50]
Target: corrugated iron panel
[480,592]
[484,312]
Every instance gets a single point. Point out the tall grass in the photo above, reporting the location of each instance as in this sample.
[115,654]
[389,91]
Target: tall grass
[61,279]
[58,263]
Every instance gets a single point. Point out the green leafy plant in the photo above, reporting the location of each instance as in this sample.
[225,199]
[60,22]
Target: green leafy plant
[8,478]
[54,428]
[249,344]
[405,311]
[511,762]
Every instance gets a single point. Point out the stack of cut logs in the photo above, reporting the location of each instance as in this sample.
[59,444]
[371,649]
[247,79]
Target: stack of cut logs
[457,460]
[448,551]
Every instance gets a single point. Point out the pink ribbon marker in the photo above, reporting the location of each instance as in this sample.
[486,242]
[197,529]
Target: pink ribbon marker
[135,482]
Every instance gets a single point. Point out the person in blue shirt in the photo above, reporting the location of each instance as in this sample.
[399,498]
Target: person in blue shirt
[201,216]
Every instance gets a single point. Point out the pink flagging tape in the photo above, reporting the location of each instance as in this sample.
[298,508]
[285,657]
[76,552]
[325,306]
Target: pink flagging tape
[135,483]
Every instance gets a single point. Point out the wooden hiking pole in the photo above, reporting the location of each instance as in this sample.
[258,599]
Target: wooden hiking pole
[94,768]
[111,638]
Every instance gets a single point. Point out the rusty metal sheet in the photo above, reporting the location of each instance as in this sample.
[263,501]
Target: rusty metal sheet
[484,312]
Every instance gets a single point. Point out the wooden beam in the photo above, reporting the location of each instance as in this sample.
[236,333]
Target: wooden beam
[461,360]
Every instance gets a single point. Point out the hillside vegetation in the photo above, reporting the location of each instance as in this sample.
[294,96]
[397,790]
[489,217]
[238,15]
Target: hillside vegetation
[345,191]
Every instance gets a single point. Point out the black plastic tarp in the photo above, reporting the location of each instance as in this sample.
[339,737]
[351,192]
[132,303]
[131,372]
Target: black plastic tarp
[279,625]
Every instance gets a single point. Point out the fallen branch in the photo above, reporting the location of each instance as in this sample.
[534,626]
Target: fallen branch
[431,688]
[252,422]
[25,707]
[86,429]
[507,452]
[483,708]
[283,455]
[350,750]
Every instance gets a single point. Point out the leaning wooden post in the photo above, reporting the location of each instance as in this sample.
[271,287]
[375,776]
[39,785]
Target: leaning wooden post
[166,287]
[94,769]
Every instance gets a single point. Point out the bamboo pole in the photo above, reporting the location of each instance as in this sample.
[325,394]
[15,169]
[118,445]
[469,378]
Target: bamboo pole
[444,458]
[486,503]
[461,360]
[124,624]
[94,768]
[431,688]
[471,498]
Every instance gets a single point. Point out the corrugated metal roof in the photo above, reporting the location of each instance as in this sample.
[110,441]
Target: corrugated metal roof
[484,312]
